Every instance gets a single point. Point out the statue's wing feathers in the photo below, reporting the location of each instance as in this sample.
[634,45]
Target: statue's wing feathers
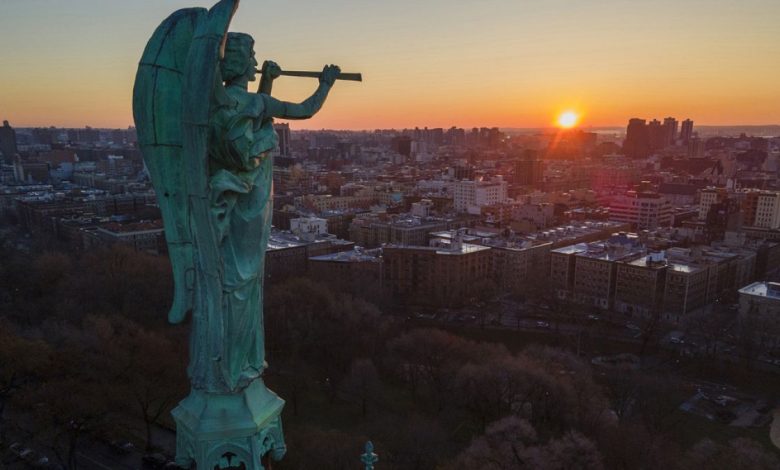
[157,108]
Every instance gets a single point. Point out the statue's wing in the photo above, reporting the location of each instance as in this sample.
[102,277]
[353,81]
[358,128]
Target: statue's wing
[157,108]
[202,87]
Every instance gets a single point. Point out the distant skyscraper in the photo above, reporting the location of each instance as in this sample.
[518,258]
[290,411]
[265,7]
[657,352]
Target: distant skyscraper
[7,143]
[637,143]
[655,135]
[686,131]
[436,136]
[283,131]
[472,138]
[670,131]
[455,136]
[403,145]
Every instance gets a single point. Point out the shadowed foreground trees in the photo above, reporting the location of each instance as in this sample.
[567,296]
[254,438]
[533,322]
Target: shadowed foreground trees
[87,353]
[738,454]
[22,362]
[513,443]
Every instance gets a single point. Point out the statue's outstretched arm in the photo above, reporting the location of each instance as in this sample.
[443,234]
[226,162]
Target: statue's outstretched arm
[308,107]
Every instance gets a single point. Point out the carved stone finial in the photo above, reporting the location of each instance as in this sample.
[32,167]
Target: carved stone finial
[369,458]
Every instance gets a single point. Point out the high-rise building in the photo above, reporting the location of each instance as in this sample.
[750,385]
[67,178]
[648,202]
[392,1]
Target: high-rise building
[436,136]
[455,136]
[637,143]
[403,145]
[7,143]
[655,135]
[283,131]
[686,131]
[670,131]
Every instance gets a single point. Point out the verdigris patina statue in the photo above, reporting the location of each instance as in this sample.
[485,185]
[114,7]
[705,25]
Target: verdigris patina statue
[205,140]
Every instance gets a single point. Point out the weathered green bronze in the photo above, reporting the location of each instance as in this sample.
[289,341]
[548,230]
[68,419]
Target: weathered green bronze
[206,141]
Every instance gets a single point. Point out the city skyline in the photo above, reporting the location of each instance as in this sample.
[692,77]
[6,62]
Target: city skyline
[438,64]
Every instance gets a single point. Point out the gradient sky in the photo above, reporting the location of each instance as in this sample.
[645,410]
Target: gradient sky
[435,63]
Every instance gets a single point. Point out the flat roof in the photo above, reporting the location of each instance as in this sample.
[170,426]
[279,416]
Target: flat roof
[684,267]
[351,256]
[762,289]
[465,248]
[641,261]
[571,249]
[609,255]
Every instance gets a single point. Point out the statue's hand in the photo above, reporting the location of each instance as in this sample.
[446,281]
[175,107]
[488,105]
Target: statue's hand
[271,69]
[329,74]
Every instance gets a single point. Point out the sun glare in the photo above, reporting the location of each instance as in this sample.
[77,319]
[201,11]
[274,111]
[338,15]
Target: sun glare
[568,119]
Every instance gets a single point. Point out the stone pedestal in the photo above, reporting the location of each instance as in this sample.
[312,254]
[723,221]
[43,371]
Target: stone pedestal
[229,431]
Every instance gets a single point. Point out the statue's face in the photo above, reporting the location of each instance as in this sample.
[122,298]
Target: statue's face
[239,62]
[250,70]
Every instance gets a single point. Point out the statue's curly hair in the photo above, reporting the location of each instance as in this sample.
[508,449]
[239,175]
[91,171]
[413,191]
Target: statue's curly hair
[238,49]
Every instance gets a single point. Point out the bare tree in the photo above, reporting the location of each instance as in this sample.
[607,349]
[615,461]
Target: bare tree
[362,384]
[22,363]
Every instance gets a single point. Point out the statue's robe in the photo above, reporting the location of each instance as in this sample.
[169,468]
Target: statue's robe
[240,185]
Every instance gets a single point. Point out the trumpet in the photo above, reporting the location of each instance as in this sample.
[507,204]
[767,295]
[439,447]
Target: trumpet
[353,77]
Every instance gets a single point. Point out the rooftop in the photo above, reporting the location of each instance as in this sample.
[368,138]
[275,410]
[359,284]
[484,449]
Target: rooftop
[762,289]
[571,249]
[651,261]
[142,226]
[464,248]
[682,267]
[352,256]
[280,239]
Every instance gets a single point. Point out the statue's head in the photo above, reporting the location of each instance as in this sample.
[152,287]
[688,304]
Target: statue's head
[239,60]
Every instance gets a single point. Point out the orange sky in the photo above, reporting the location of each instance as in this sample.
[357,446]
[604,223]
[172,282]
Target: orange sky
[428,63]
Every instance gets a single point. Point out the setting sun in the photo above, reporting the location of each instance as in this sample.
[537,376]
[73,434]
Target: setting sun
[568,119]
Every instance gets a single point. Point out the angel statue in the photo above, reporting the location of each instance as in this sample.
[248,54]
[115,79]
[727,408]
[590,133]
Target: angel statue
[206,141]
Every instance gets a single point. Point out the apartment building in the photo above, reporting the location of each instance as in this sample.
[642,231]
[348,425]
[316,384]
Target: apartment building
[470,196]
[436,275]
[644,210]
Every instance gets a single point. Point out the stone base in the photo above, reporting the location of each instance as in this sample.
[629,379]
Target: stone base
[223,431]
